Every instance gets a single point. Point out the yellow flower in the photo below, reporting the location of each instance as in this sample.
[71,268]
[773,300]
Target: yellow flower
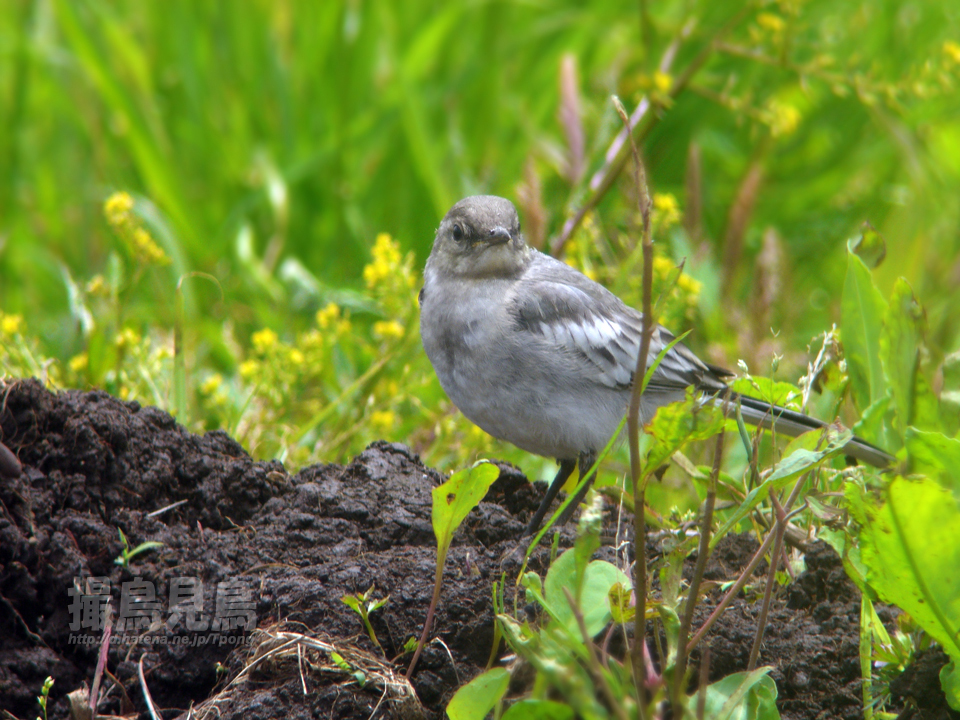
[328,315]
[117,208]
[383,420]
[127,338]
[211,384]
[666,210]
[770,22]
[78,363]
[952,50]
[264,339]
[249,368]
[296,357]
[689,285]
[782,118]
[662,81]
[10,324]
[388,329]
[386,261]
[146,250]
[662,266]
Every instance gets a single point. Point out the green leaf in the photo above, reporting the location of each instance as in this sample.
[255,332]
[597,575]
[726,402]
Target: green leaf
[351,602]
[862,311]
[619,598]
[870,246]
[678,423]
[911,547]
[950,682]
[777,392]
[599,577]
[900,343]
[588,539]
[870,425]
[538,710]
[454,500]
[937,454]
[790,468]
[950,393]
[849,552]
[741,696]
[475,699]
[671,629]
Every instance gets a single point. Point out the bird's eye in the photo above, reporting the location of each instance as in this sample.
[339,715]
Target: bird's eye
[457,232]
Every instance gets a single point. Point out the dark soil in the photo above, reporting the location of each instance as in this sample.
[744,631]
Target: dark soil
[293,546]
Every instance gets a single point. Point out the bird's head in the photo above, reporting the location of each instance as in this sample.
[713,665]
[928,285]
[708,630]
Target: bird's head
[479,237]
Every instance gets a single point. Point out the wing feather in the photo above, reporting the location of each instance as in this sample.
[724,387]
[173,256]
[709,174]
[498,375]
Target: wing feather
[581,318]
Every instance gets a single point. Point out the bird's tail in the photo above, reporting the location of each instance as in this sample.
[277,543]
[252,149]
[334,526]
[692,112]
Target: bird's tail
[792,423]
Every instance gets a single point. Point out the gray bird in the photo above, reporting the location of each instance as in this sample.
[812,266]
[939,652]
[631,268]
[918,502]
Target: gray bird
[538,354]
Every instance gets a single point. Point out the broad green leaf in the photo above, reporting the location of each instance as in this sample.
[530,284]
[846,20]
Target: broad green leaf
[862,311]
[453,500]
[538,710]
[911,547]
[772,391]
[678,423]
[849,552]
[475,699]
[870,246]
[599,577]
[900,344]
[950,682]
[741,696]
[870,425]
[790,468]
[937,454]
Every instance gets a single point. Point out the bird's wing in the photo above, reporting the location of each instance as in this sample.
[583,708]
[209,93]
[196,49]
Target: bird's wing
[582,318]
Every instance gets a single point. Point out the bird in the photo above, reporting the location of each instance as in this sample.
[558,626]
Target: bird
[539,355]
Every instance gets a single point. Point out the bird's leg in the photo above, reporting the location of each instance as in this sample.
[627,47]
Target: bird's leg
[565,471]
[587,459]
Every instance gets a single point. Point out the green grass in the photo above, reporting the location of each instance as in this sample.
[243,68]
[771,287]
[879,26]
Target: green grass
[267,144]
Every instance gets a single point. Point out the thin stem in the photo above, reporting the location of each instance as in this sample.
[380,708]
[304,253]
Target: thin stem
[702,554]
[593,663]
[434,601]
[771,580]
[745,575]
[704,678]
[633,424]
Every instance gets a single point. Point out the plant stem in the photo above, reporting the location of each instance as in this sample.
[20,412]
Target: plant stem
[703,553]
[744,576]
[434,601]
[771,581]
[616,706]
[633,424]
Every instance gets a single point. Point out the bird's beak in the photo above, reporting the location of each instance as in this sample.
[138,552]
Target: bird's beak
[499,235]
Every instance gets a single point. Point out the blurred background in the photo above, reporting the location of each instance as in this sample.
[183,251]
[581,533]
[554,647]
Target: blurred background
[223,208]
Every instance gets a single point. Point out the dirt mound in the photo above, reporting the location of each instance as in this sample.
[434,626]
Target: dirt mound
[253,555]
